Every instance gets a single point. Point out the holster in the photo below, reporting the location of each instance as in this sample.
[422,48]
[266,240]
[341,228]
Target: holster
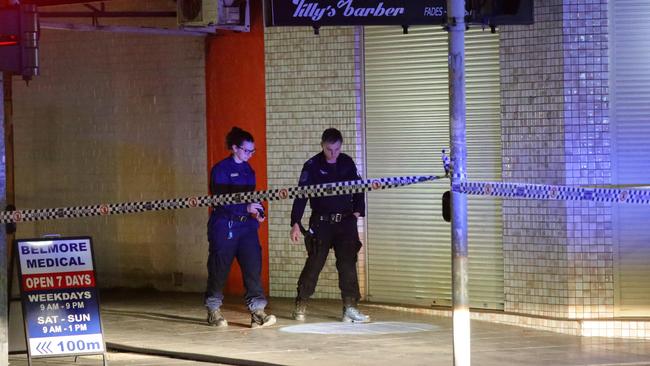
[310,239]
[310,242]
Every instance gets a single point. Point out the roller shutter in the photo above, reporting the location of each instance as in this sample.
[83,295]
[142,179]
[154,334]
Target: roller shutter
[407,125]
[630,122]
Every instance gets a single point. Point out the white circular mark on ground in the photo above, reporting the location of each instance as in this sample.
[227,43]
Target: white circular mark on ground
[360,328]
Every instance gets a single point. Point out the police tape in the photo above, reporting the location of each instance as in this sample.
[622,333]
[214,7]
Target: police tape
[553,192]
[317,190]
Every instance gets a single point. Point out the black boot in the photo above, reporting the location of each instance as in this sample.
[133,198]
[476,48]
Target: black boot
[300,311]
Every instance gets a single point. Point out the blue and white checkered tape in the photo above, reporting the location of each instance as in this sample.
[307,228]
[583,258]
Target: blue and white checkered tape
[494,189]
[319,190]
[553,192]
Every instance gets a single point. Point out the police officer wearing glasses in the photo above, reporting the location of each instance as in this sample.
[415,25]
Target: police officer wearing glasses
[333,224]
[232,232]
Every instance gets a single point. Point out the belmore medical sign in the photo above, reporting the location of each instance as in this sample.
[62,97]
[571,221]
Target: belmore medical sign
[355,12]
[59,298]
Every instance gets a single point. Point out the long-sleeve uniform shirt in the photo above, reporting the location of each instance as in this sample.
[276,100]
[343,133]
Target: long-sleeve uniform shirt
[317,171]
[228,176]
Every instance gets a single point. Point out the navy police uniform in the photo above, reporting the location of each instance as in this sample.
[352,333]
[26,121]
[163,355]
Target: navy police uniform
[333,225]
[232,232]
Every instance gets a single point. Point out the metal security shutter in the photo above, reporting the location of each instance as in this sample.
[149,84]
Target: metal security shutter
[407,125]
[630,122]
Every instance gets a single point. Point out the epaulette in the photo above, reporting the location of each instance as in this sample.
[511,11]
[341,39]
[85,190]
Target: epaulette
[346,158]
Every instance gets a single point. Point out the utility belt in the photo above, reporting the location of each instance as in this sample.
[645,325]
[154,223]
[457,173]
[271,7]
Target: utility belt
[235,218]
[238,218]
[332,218]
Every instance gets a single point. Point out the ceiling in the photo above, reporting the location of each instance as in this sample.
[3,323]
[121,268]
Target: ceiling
[56,2]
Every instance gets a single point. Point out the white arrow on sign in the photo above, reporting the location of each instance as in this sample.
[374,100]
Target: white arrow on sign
[44,347]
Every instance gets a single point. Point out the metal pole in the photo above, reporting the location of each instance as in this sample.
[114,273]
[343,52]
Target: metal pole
[6,196]
[8,128]
[460,296]
[4,295]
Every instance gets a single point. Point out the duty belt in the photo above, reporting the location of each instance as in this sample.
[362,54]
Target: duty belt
[332,217]
[238,218]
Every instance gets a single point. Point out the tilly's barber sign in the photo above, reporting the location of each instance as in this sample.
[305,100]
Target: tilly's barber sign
[60,304]
[354,12]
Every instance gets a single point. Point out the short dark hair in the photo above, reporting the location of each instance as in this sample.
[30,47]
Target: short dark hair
[237,136]
[331,136]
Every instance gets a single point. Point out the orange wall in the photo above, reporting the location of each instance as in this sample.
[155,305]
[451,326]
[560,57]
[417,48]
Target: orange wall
[236,97]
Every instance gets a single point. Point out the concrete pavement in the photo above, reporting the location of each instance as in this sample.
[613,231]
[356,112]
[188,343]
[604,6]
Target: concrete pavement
[154,328]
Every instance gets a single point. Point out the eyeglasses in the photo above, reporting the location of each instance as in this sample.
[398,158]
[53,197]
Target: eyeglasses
[247,151]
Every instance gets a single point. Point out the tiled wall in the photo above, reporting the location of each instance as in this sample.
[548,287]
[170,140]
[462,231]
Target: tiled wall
[587,150]
[557,255]
[534,242]
[312,83]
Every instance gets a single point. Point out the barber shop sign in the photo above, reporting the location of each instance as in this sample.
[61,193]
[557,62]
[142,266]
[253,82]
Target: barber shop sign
[354,12]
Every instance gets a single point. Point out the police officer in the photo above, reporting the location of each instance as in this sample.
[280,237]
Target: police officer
[333,223]
[232,232]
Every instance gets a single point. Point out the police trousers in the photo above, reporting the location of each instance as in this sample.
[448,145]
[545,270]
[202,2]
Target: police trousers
[344,238]
[230,240]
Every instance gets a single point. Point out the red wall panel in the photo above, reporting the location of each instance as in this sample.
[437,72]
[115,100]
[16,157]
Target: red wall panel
[235,92]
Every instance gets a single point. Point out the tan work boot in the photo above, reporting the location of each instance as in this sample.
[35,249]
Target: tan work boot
[259,319]
[216,319]
[352,315]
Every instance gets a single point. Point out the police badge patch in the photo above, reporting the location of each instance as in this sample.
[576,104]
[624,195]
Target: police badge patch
[304,176]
